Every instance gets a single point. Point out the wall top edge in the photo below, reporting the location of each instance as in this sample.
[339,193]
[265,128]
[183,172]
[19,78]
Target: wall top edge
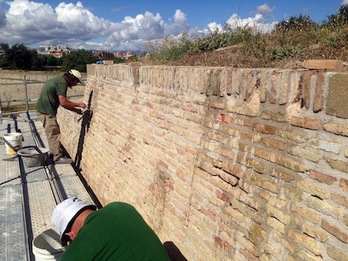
[146,67]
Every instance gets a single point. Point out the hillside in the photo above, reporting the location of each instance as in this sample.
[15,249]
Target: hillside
[287,46]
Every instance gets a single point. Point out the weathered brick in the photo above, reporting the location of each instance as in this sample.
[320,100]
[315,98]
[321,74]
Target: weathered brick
[345,219]
[282,174]
[340,199]
[229,81]
[264,84]
[304,255]
[314,231]
[336,128]
[334,65]
[284,87]
[324,207]
[247,244]
[272,143]
[306,153]
[338,232]
[276,224]
[288,244]
[248,255]
[337,254]
[274,115]
[277,213]
[325,145]
[272,199]
[306,123]
[248,109]
[321,177]
[336,101]
[221,244]
[313,188]
[306,213]
[306,88]
[290,163]
[264,183]
[293,193]
[237,76]
[250,82]
[338,164]
[344,184]
[319,93]
[303,239]
[274,83]
[264,129]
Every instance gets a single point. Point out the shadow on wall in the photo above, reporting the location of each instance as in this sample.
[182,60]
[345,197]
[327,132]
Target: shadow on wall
[173,252]
[86,120]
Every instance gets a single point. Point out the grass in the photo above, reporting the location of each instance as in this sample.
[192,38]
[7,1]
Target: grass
[246,47]
[17,108]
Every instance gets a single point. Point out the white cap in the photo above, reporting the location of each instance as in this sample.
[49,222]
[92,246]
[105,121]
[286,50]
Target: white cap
[65,214]
[76,73]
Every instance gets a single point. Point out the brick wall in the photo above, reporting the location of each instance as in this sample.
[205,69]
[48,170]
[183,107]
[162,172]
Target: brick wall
[228,164]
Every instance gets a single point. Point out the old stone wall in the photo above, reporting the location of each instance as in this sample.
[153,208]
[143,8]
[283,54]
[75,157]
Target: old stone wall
[226,163]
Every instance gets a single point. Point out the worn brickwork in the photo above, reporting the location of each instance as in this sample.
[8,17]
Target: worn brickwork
[227,163]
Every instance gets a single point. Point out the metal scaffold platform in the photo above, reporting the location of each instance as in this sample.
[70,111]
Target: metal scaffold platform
[28,195]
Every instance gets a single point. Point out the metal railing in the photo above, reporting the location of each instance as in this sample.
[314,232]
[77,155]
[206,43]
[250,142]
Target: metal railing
[26,99]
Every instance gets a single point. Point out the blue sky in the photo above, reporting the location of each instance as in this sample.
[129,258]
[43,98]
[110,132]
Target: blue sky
[131,25]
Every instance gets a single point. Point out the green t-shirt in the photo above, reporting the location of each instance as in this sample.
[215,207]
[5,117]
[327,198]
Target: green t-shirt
[48,101]
[115,232]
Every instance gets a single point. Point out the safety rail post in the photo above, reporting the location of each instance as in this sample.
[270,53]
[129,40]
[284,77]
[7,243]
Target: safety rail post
[26,94]
[0,111]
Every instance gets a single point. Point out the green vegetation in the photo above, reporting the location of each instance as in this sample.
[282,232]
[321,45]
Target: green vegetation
[77,60]
[19,57]
[298,38]
[17,108]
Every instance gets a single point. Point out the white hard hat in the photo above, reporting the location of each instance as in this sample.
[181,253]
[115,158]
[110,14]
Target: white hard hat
[76,73]
[65,214]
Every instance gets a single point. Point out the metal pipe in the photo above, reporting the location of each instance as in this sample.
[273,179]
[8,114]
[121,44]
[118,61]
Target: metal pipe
[26,93]
[0,111]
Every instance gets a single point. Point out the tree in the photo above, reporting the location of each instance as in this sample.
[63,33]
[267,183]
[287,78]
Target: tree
[339,19]
[37,62]
[296,23]
[20,57]
[3,57]
[77,60]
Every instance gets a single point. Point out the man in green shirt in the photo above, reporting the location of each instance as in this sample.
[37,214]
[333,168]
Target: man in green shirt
[52,95]
[114,232]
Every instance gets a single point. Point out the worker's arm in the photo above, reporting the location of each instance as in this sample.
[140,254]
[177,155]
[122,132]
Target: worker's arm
[71,106]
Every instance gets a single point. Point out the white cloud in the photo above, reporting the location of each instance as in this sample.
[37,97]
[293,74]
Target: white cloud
[214,27]
[74,25]
[264,9]
[258,22]
[345,2]
[179,26]
[132,33]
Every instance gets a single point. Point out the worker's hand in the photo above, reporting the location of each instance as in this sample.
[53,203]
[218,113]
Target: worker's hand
[79,111]
[83,105]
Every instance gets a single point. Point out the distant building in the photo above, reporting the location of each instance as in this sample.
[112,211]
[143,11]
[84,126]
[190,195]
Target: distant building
[103,54]
[55,50]
[124,55]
